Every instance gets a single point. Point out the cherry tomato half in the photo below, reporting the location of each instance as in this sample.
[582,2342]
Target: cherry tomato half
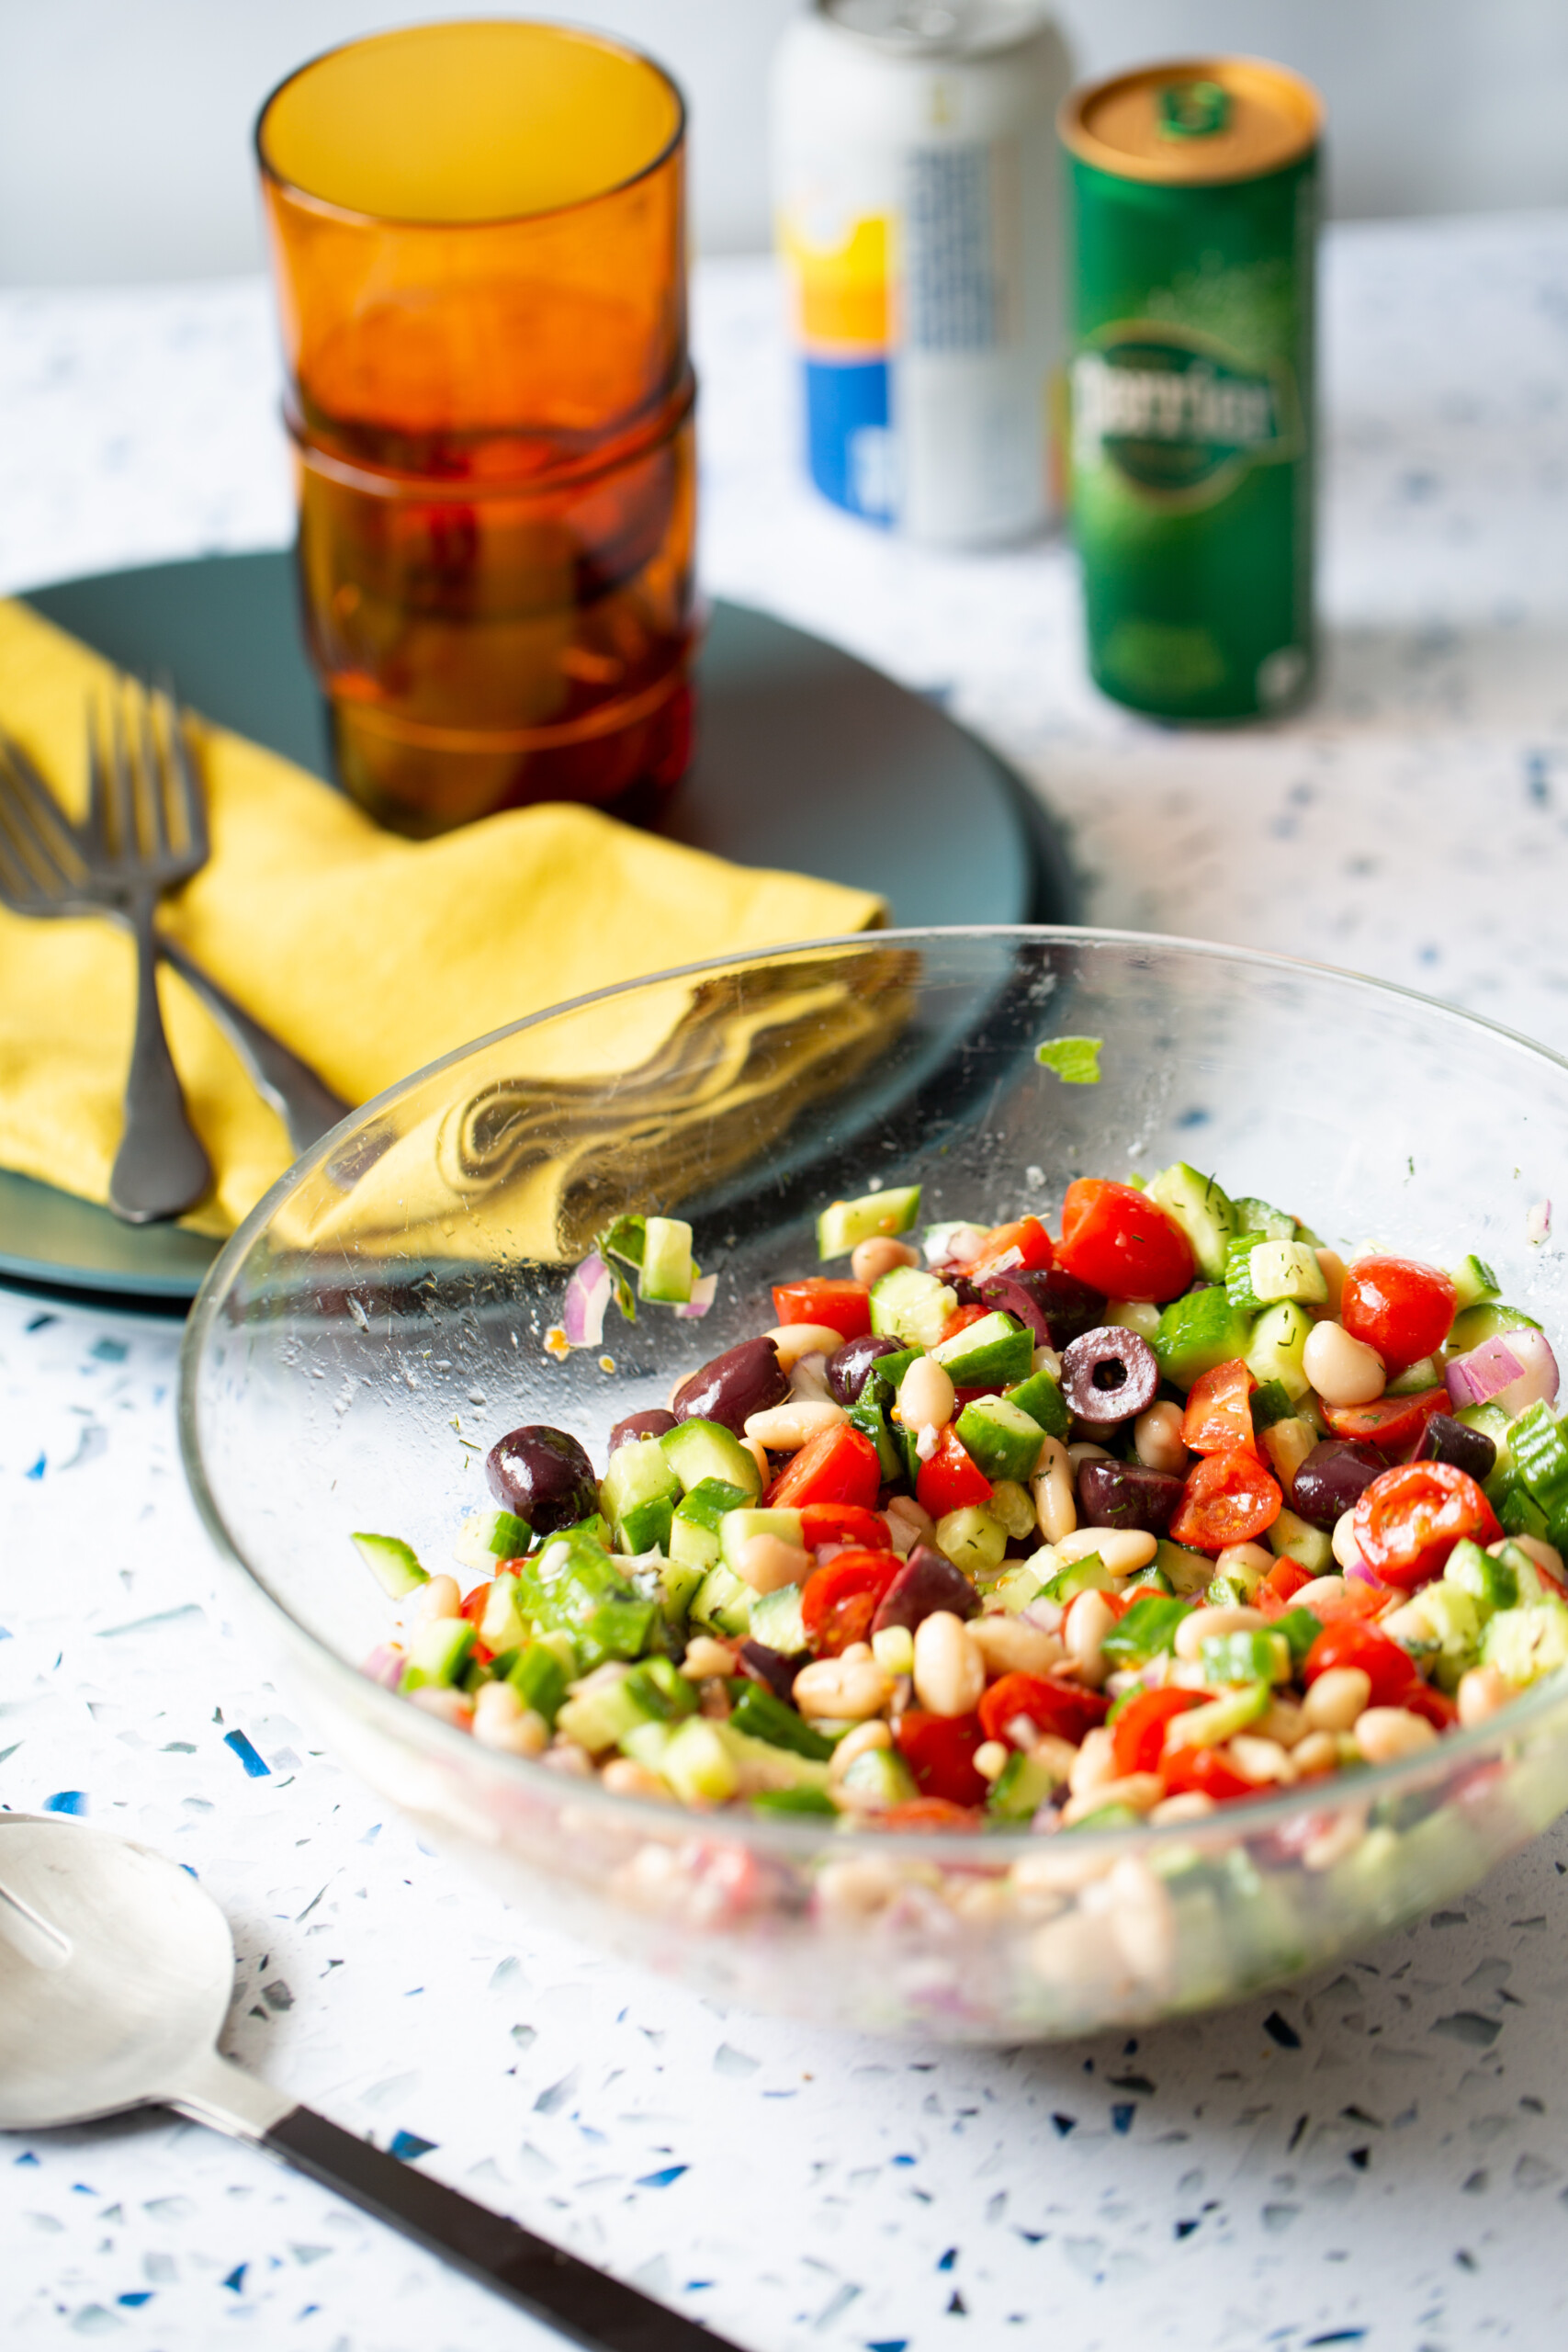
[1116,1239]
[1205,1771]
[844,1524]
[1436,1706]
[1390,1669]
[951,1480]
[1066,1709]
[1402,1310]
[939,1751]
[839,1599]
[1393,1424]
[1229,1499]
[1138,1733]
[843,1306]
[1280,1587]
[1219,1410]
[927,1813]
[1410,1518]
[837,1466]
[1025,1244]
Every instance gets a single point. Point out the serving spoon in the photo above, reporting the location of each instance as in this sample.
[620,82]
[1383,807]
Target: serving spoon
[116,1972]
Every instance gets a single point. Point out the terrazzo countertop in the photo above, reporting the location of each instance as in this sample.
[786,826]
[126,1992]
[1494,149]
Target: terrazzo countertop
[1377,2156]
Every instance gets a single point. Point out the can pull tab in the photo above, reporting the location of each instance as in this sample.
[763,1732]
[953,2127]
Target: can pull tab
[1193,109]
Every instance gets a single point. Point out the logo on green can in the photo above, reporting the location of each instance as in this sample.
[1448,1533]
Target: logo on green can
[1175,416]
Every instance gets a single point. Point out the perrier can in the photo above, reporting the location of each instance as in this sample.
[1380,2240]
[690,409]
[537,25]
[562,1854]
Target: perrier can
[1193,204]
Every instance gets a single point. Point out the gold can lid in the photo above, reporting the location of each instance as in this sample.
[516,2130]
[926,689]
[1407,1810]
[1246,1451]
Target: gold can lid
[1193,121]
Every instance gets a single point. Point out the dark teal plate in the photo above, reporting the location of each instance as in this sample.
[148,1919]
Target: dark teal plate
[807,759]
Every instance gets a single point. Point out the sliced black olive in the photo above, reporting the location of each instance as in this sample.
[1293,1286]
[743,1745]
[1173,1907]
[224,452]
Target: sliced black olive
[1109,1374]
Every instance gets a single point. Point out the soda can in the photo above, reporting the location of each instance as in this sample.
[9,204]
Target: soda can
[918,199]
[1193,207]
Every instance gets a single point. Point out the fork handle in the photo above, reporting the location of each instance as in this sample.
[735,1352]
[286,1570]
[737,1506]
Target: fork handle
[160,1168]
[307,1107]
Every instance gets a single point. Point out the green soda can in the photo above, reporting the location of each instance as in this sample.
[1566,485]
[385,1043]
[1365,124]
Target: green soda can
[1193,205]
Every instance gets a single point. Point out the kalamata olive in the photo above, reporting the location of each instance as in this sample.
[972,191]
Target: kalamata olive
[848,1365]
[1445,1440]
[1012,1295]
[1071,1307]
[653,1423]
[771,1667]
[926,1582]
[1332,1480]
[1127,1494]
[743,1381]
[1109,1374]
[544,1475]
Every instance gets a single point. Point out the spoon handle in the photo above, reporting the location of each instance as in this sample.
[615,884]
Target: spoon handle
[599,2311]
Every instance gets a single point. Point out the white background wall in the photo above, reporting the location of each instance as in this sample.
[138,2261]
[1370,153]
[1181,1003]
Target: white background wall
[125,124]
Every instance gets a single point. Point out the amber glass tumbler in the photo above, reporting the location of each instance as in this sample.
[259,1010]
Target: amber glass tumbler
[478,238]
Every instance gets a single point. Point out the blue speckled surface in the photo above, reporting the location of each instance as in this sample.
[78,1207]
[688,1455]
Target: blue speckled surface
[1377,2158]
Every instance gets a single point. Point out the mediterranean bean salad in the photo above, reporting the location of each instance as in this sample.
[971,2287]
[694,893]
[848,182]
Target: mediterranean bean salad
[1002,1529]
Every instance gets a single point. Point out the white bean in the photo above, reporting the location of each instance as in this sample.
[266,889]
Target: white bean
[1343,1544]
[1336,1698]
[1121,1550]
[624,1777]
[1321,1589]
[1249,1562]
[1199,1624]
[438,1599]
[1333,1266]
[874,1732]
[1089,1620]
[1480,1694]
[842,1690]
[767,1563]
[1191,1805]
[793,1340]
[1141,1790]
[1156,1439]
[784,1428]
[1095,1762]
[868,1260]
[1343,1371]
[1084,1450]
[992,1759]
[1385,1734]
[1259,1759]
[1055,1504]
[759,1454]
[450,1706]
[927,1397]
[1010,1646]
[950,1669]
[1318,1752]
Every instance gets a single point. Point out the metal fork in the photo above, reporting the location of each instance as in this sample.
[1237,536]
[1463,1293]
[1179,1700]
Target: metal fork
[146,821]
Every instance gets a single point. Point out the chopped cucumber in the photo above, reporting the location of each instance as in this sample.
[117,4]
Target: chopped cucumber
[1475,1283]
[1271,1403]
[1442,1623]
[1019,1586]
[1256,1656]
[1493,1423]
[661,1690]
[699,1450]
[776,1620]
[1001,1439]
[487,1537]
[1020,1787]
[1423,1374]
[695,1537]
[1540,1450]
[759,1765]
[1041,1398]
[1203,1212]
[697,1764]
[1484,1321]
[667,1273]
[1491,1584]
[1088,1574]
[599,1718]
[792,1800]
[392,1563]
[1238,1273]
[762,1716]
[1525,1643]
[846,1222]
[1189,1571]
[1277,1346]
[879,1777]
[437,1653]
[1291,1538]
[502,1626]
[991,1353]
[539,1680]
[1211,1725]
[1014,1505]
[722,1603]
[1300,1628]
[1150,1580]
[640,1490]
[974,1539]
[1286,1269]
[1197,1333]
[678,1582]
[1148,1628]
[907,1304]
[1253,1215]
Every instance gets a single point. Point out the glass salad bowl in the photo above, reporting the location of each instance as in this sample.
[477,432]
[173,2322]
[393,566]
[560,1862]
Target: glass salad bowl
[392,1309]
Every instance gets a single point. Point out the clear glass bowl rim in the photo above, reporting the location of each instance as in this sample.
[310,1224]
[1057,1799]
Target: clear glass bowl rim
[955,1849]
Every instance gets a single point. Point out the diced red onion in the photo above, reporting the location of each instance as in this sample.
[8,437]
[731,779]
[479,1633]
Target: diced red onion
[588,1294]
[385,1665]
[1537,1221]
[703,1291]
[1046,1614]
[1515,1369]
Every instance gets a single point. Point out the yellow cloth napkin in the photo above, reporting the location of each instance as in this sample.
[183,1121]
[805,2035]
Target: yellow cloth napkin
[368,954]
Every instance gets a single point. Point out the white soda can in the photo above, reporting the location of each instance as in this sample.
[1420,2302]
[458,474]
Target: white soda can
[917,191]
